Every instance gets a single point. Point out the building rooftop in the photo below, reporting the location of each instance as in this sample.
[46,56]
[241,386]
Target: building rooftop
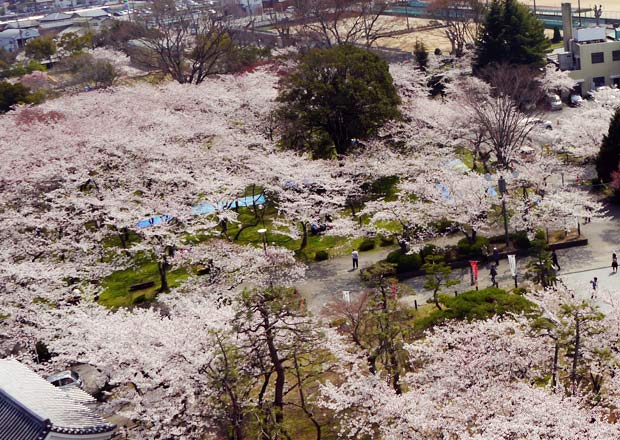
[17,33]
[30,407]
[92,13]
[23,24]
[56,16]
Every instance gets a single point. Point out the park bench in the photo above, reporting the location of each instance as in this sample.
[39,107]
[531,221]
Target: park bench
[141,286]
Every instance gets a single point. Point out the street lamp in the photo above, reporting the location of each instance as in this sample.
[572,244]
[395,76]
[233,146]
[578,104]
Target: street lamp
[502,190]
[262,232]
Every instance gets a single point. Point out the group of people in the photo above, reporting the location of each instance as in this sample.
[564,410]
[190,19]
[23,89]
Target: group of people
[495,264]
[614,269]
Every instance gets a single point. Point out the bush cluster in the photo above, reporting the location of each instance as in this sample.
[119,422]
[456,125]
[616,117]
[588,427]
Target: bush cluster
[321,255]
[366,245]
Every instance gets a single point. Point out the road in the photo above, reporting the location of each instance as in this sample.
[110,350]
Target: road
[326,280]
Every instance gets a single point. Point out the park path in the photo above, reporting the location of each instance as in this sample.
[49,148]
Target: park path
[326,280]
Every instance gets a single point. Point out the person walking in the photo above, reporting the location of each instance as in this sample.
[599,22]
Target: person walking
[594,283]
[614,263]
[496,256]
[355,256]
[554,259]
[493,272]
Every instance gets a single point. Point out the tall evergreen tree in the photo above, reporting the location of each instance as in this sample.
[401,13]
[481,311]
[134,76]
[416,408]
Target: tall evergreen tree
[511,34]
[421,54]
[490,46]
[609,154]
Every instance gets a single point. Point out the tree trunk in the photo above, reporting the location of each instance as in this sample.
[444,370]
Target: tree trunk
[403,246]
[573,374]
[436,300]
[556,358]
[304,238]
[302,399]
[162,267]
[278,367]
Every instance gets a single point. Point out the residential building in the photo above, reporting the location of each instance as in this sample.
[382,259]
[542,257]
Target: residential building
[591,55]
[22,24]
[55,22]
[12,39]
[31,408]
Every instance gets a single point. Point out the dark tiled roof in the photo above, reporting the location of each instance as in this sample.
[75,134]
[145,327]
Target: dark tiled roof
[56,16]
[18,423]
[46,402]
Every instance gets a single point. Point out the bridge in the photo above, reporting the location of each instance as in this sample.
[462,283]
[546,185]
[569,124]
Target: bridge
[549,15]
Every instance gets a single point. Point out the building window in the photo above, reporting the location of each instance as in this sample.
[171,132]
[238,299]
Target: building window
[598,57]
[616,55]
[598,81]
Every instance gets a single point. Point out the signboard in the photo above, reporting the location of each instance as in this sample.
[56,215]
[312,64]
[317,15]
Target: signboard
[474,268]
[346,296]
[512,262]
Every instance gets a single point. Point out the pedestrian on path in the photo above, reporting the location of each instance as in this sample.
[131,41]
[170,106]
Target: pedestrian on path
[355,256]
[496,256]
[493,275]
[554,259]
[614,263]
[594,283]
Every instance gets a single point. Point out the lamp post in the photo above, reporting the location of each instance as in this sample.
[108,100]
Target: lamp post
[502,190]
[262,232]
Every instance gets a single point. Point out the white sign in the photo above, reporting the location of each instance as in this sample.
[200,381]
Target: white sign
[512,261]
[346,296]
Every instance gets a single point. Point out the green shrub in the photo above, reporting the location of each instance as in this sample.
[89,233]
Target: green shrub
[321,255]
[12,94]
[520,240]
[386,241]
[540,235]
[367,244]
[476,249]
[385,187]
[429,249]
[443,225]
[43,353]
[540,240]
[478,305]
[404,262]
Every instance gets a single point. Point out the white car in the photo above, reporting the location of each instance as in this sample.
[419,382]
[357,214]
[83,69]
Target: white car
[576,100]
[555,103]
[65,378]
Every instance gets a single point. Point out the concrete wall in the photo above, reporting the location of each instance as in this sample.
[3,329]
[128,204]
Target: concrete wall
[589,71]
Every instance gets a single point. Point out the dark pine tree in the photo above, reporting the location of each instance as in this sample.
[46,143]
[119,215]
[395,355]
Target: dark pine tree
[511,34]
[609,154]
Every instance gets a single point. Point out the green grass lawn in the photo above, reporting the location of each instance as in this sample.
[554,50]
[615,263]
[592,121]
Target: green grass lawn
[116,286]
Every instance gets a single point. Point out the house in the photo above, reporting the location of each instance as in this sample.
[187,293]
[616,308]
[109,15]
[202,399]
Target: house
[12,39]
[31,408]
[590,55]
[91,19]
[22,24]
[55,22]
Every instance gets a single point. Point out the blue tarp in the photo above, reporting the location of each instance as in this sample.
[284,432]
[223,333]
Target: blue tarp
[206,208]
[153,221]
[445,192]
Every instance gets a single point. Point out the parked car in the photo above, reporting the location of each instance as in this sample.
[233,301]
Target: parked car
[576,100]
[65,378]
[554,101]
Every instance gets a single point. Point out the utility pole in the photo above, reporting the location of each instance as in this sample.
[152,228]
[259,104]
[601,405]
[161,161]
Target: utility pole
[502,190]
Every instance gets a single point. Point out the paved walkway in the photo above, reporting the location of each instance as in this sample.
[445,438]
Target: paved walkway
[326,280]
